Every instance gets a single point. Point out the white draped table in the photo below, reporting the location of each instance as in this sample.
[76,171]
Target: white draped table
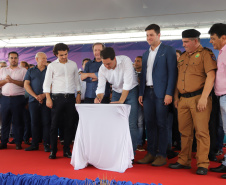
[103,137]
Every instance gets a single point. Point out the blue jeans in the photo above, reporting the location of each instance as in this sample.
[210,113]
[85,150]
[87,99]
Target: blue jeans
[140,125]
[12,108]
[40,117]
[155,115]
[132,99]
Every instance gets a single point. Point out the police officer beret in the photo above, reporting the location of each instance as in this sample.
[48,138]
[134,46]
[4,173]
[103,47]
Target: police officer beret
[190,33]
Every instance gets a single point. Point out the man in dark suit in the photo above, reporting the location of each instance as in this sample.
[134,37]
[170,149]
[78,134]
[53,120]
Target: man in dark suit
[157,83]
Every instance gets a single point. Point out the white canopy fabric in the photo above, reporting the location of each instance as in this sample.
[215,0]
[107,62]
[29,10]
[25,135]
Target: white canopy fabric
[32,18]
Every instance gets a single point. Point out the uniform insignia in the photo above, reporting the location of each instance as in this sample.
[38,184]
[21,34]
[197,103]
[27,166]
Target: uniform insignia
[180,61]
[196,56]
[211,54]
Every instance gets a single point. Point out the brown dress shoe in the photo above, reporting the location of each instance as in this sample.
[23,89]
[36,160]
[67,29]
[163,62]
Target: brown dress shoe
[148,158]
[159,161]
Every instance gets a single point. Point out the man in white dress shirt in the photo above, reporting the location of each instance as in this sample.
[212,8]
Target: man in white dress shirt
[119,71]
[62,75]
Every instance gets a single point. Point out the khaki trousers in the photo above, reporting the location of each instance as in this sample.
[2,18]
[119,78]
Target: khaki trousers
[189,118]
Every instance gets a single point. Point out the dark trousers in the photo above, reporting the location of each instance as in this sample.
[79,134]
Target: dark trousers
[12,108]
[213,125]
[63,106]
[27,123]
[155,116]
[40,117]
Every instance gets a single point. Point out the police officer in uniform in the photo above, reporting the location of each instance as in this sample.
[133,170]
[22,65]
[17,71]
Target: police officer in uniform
[196,75]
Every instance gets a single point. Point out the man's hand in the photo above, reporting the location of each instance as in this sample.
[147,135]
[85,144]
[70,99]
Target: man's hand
[168,99]
[97,100]
[78,99]
[84,76]
[49,103]
[140,99]
[40,98]
[8,79]
[94,79]
[176,103]
[202,103]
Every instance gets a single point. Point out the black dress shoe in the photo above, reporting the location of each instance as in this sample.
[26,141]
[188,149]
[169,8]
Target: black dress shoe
[52,155]
[27,142]
[178,166]
[31,148]
[223,176]
[47,148]
[220,169]
[67,154]
[201,171]
[3,146]
[171,154]
[12,142]
[18,147]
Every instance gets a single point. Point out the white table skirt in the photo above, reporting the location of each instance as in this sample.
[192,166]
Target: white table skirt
[103,137]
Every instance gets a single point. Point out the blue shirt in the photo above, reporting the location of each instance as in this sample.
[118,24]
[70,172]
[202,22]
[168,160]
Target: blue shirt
[36,78]
[91,87]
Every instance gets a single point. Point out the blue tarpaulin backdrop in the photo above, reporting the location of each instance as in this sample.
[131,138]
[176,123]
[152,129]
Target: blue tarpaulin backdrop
[79,52]
[28,179]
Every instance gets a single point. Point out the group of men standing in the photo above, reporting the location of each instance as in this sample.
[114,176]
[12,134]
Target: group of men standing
[163,80]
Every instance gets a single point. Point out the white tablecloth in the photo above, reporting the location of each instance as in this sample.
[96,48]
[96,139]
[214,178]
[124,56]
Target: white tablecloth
[103,137]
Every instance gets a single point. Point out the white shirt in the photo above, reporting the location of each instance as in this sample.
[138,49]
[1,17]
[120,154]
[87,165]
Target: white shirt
[64,78]
[123,77]
[150,63]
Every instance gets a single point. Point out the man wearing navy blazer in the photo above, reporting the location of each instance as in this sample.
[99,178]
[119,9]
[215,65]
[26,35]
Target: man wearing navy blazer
[157,84]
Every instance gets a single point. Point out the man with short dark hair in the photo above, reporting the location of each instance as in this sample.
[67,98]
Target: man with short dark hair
[13,101]
[218,39]
[118,71]
[62,76]
[157,84]
[31,65]
[3,64]
[90,75]
[24,64]
[141,128]
[196,74]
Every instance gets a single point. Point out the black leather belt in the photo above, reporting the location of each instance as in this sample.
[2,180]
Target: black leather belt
[192,94]
[13,96]
[150,86]
[66,95]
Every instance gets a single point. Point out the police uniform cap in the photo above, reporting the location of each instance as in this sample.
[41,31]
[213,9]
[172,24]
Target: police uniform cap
[190,33]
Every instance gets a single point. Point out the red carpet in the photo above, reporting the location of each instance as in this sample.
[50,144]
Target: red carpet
[37,162]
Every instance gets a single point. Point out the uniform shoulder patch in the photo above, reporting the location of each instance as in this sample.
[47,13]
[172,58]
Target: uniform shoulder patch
[183,52]
[208,49]
[211,53]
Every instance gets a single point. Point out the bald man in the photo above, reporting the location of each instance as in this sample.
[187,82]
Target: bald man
[40,113]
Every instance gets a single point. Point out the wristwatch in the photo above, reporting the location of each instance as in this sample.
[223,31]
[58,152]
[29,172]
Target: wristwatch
[79,92]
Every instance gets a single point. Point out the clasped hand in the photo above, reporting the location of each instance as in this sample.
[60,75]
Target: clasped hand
[8,79]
